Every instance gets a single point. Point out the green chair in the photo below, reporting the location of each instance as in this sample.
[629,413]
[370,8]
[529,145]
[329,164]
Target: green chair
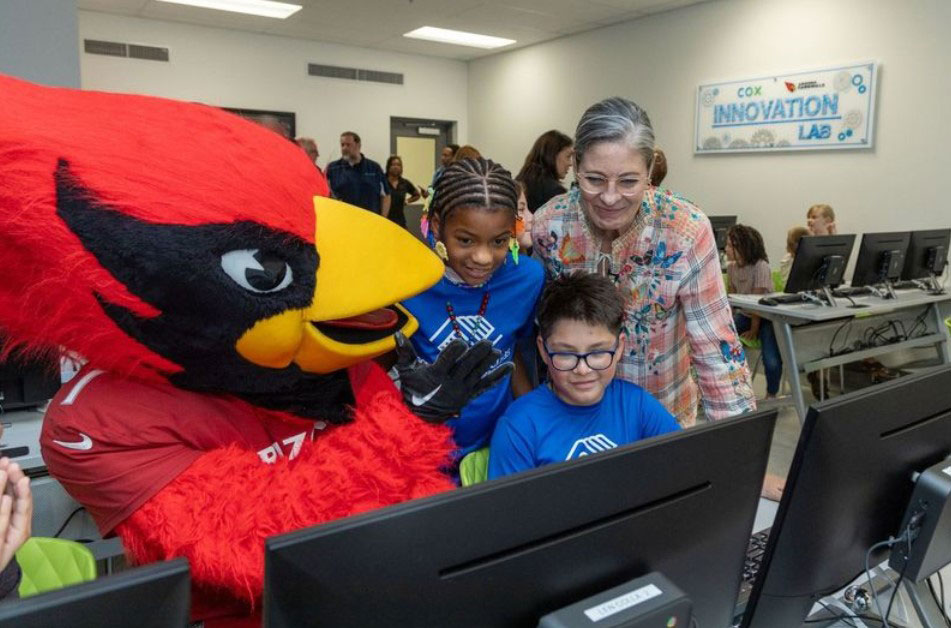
[49,564]
[474,467]
[779,284]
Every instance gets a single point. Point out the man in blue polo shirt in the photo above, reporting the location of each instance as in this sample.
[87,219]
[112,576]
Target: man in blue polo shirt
[357,180]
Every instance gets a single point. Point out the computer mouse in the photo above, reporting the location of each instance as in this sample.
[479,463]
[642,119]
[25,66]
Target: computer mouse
[768,301]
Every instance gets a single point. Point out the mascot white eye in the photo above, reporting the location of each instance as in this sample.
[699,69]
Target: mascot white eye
[256,271]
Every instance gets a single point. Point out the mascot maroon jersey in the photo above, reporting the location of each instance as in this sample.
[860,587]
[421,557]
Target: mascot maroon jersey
[226,312]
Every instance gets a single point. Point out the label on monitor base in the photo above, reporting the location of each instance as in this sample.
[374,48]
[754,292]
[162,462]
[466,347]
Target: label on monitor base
[622,602]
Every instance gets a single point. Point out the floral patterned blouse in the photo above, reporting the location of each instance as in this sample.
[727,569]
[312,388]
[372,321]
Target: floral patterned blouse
[666,266]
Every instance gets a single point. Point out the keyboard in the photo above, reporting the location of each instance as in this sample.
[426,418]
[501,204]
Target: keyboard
[852,292]
[754,558]
[781,299]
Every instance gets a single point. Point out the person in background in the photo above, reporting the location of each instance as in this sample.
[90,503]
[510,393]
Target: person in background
[274,123]
[659,171]
[660,251]
[309,146]
[545,166]
[485,294]
[357,180]
[445,158]
[583,409]
[748,272]
[400,188]
[792,241]
[16,520]
[525,217]
[821,220]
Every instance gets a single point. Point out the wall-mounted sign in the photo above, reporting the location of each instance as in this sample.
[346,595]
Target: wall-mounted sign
[828,108]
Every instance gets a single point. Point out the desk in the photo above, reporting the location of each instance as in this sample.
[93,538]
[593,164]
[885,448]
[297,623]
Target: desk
[52,506]
[804,331]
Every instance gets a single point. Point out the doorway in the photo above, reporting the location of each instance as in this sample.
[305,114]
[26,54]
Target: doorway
[419,141]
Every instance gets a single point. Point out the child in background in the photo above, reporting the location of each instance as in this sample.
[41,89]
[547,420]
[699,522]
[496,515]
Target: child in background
[583,409]
[525,219]
[821,220]
[485,293]
[748,273]
[792,241]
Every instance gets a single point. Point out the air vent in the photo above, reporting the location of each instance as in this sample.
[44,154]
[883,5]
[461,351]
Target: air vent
[110,48]
[151,53]
[354,74]
[119,49]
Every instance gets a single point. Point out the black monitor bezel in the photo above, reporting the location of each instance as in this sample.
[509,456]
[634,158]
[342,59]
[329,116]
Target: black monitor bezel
[842,494]
[921,241]
[722,222]
[810,253]
[870,250]
[152,596]
[731,455]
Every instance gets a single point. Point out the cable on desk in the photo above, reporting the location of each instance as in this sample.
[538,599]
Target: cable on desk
[66,523]
[940,603]
[841,616]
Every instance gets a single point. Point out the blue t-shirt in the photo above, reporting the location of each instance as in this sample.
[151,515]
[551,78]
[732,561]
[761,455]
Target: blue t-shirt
[539,428]
[513,291]
[362,185]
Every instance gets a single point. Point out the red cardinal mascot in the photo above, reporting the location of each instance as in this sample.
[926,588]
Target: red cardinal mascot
[227,313]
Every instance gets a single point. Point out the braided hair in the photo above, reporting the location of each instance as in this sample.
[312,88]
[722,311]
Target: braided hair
[478,183]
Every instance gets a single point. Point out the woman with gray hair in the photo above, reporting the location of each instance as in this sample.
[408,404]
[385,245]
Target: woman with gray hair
[660,251]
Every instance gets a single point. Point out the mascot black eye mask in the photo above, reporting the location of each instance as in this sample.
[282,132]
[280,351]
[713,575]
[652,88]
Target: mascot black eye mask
[227,312]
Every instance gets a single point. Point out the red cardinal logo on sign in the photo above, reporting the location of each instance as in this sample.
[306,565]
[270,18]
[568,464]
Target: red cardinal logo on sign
[790,86]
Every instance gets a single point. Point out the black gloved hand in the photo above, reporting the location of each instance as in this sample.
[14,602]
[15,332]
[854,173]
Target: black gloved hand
[437,392]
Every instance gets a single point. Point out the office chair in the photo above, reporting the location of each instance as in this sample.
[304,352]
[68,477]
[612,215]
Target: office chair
[49,564]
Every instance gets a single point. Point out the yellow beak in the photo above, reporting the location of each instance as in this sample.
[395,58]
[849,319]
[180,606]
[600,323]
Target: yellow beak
[366,263]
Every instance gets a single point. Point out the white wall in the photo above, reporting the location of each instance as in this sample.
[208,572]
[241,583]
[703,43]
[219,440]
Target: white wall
[38,41]
[253,71]
[660,60]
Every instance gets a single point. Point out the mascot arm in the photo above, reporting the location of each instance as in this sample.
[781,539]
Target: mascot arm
[219,511]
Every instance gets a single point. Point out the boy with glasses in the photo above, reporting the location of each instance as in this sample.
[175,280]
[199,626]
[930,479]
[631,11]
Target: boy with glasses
[582,409]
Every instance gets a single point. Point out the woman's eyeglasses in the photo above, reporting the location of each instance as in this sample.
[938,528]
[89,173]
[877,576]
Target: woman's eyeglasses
[568,361]
[597,184]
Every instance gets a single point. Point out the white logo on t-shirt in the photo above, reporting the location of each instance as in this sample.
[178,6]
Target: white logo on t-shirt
[83,444]
[590,445]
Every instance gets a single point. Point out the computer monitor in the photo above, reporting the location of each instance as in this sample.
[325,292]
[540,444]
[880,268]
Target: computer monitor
[848,487]
[881,259]
[721,224]
[509,551]
[819,264]
[26,384]
[155,596]
[927,256]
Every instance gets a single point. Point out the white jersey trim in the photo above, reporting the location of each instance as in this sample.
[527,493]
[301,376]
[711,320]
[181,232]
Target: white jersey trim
[78,388]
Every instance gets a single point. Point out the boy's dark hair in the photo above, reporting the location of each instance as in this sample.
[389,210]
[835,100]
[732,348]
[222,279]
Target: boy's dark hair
[580,296]
[748,243]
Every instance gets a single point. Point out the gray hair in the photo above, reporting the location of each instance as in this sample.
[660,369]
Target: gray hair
[615,120]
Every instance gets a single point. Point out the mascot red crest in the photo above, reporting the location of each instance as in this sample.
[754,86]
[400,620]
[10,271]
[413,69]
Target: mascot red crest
[227,313]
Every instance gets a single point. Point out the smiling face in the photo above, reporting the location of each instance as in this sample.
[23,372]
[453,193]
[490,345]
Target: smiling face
[395,169]
[612,177]
[819,224]
[477,241]
[581,386]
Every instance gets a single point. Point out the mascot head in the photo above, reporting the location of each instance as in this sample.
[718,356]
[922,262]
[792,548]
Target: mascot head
[174,241]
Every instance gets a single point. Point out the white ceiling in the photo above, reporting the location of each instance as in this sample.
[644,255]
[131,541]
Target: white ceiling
[381,23]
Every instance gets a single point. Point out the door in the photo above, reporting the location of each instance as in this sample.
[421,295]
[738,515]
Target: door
[419,143]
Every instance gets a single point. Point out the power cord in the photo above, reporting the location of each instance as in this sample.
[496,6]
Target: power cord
[846,617]
[906,537]
[66,523]
[940,603]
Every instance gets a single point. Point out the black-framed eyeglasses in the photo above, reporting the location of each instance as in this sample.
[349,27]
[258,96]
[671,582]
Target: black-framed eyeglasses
[568,361]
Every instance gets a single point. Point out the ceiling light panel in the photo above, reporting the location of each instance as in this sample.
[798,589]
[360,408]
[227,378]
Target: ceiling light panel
[459,38]
[263,8]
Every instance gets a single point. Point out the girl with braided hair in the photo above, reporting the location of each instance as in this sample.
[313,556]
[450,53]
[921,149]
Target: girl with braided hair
[488,291]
